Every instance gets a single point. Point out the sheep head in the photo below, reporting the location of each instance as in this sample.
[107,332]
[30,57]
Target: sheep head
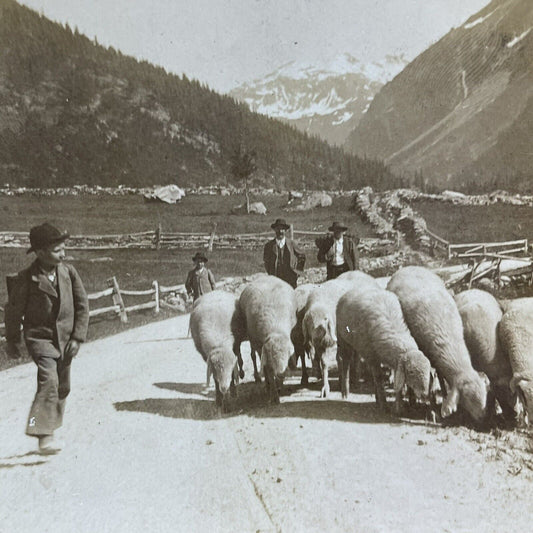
[324,341]
[471,392]
[414,371]
[276,351]
[524,388]
[222,363]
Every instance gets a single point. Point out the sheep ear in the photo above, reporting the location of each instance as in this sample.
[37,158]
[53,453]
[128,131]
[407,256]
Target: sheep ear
[449,405]
[485,380]
[517,382]
[399,378]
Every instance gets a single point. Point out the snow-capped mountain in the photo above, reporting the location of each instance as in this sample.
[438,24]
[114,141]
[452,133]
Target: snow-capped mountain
[462,111]
[326,99]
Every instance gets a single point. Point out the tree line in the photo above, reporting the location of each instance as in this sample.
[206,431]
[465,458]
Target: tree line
[77,112]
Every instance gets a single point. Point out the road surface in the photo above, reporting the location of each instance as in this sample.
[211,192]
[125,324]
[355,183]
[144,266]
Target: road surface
[147,452]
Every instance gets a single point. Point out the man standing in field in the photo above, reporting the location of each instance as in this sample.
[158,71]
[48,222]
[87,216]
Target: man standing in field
[338,251]
[200,279]
[281,255]
[49,299]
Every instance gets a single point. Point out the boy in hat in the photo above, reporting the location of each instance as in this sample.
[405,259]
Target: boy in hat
[281,255]
[338,251]
[49,300]
[200,279]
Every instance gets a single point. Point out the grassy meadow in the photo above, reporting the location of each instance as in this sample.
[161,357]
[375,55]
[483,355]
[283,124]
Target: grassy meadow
[462,224]
[136,269]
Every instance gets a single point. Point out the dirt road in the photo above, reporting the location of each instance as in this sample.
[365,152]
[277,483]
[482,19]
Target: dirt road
[145,452]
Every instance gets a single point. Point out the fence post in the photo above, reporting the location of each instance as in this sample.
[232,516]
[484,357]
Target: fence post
[155,285]
[291,232]
[117,298]
[158,237]
[212,237]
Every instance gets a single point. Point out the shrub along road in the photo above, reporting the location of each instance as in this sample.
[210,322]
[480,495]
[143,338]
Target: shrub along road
[145,451]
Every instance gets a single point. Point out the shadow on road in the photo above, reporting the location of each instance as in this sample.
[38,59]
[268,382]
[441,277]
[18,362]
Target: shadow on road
[18,460]
[187,388]
[251,401]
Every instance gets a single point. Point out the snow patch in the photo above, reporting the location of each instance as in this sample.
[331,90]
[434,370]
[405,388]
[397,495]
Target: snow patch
[510,44]
[477,21]
[344,118]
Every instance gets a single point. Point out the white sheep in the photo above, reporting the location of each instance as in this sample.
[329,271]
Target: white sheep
[434,321]
[268,309]
[301,293]
[319,321]
[213,327]
[481,314]
[516,336]
[371,323]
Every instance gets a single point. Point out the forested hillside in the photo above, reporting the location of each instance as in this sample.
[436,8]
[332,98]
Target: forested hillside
[73,112]
[461,113]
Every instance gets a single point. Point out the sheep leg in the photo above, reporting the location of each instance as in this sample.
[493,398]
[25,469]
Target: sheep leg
[270,383]
[398,403]
[237,352]
[343,361]
[208,377]
[219,397]
[325,386]
[381,398]
[253,355]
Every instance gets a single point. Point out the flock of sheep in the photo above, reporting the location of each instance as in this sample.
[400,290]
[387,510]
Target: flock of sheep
[478,350]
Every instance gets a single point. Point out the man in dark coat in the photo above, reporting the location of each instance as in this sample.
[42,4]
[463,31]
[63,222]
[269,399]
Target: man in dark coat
[282,257]
[200,279]
[49,300]
[338,251]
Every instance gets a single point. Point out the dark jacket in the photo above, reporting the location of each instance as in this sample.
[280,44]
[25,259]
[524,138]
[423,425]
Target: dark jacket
[46,315]
[349,251]
[296,260]
[199,283]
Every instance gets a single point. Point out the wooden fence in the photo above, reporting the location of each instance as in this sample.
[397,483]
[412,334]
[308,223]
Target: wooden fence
[475,250]
[158,239]
[116,294]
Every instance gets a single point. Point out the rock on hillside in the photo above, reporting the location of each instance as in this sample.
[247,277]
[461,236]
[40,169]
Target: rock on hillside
[462,111]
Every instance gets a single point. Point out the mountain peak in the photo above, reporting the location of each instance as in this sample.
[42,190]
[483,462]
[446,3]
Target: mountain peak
[325,97]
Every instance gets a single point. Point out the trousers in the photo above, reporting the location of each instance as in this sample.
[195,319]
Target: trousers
[53,387]
[335,271]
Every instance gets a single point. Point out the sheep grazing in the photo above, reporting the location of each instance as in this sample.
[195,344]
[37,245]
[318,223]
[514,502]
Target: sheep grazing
[319,321]
[481,314]
[371,324]
[434,321]
[516,336]
[268,309]
[301,293]
[213,328]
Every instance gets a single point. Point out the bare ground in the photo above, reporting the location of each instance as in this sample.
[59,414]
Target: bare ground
[146,451]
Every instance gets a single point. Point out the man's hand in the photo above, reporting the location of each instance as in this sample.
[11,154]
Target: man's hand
[13,350]
[72,348]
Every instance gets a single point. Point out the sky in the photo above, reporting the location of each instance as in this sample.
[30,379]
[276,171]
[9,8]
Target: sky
[224,43]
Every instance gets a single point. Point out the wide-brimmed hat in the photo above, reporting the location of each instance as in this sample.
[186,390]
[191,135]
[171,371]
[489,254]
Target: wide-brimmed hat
[44,236]
[200,256]
[280,223]
[337,226]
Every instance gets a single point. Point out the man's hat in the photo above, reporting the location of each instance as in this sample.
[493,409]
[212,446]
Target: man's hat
[280,223]
[337,226]
[45,235]
[200,256]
